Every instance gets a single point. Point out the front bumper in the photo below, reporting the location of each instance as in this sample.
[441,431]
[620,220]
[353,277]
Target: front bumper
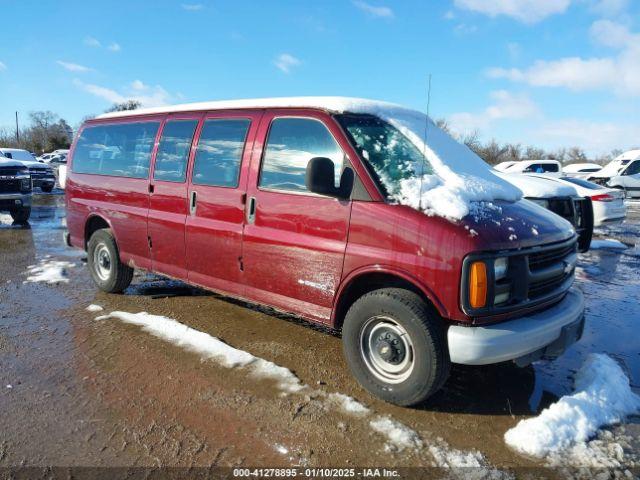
[524,339]
[46,181]
[13,200]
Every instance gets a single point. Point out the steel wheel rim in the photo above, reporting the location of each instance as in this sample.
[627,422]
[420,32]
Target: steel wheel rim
[102,262]
[387,349]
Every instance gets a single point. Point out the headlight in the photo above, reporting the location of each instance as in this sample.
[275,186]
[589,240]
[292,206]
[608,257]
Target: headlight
[541,201]
[25,184]
[500,266]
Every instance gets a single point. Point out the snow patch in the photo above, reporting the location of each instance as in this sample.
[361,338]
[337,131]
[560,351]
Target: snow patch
[49,271]
[348,404]
[94,308]
[602,397]
[399,436]
[607,244]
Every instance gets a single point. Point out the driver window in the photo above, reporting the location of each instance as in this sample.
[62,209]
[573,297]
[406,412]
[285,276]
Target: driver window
[291,144]
[633,169]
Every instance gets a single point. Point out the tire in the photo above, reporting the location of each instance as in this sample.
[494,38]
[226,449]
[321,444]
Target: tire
[406,372]
[47,188]
[20,215]
[103,260]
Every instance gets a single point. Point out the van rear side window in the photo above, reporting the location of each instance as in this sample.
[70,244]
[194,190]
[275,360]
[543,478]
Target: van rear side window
[219,152]
[121,150]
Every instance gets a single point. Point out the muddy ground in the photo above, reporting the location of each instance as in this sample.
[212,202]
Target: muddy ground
[75,391]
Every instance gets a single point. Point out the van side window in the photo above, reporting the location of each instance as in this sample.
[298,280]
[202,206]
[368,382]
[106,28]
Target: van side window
[173,151]
[122,149]
[219,152]
[291,144]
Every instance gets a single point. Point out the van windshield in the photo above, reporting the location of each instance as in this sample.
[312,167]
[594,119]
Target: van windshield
[389,156]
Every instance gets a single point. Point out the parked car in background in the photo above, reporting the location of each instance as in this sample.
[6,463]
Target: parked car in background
[608,203]
[622,173]
[543,167]
[292,203]
[42,175]
[62,176]
[502,166]
[17,154]
[581,170]
[561,198]
[15,190]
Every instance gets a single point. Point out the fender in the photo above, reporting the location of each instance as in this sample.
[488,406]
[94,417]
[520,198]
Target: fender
[389,270]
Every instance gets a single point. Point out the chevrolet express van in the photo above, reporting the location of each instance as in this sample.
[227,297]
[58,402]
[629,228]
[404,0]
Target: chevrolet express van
[306,205]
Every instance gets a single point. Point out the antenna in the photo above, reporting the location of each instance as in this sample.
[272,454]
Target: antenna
[424,143]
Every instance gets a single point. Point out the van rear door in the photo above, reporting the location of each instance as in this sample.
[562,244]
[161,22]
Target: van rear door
[168,189]
[217,192]
[294,240]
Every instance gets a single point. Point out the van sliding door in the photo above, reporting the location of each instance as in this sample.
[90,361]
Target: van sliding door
[217,193]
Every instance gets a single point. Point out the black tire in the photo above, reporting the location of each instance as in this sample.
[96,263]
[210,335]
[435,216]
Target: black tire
[20,215]
[426,341]
[103,260]
[47,188]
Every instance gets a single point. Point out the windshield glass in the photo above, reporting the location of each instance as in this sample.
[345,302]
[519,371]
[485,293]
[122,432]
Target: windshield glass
[387,153]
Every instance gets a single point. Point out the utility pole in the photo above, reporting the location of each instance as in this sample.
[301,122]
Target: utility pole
[17,130]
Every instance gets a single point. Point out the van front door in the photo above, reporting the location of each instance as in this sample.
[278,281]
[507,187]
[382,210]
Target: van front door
[168,205]
[217,192]
[294,240]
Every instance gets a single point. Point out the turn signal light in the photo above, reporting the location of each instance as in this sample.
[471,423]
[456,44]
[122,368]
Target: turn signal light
[478,285]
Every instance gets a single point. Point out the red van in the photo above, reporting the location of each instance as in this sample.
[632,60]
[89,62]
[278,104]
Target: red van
[293,204]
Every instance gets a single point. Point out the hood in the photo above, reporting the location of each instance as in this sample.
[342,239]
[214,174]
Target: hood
[29,163]
[7,162]
[519,224]
[538,186]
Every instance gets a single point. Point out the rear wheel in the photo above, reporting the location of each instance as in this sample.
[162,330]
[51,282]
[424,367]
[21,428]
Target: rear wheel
[395,346]
[20,215]
[103,260]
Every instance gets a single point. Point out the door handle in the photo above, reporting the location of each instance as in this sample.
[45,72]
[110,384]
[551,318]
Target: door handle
[193,202]
[251,210]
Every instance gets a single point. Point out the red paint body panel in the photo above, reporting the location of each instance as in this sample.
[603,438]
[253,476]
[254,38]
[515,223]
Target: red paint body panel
[303,249]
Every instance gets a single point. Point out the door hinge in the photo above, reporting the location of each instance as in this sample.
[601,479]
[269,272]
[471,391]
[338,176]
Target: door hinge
[241,264]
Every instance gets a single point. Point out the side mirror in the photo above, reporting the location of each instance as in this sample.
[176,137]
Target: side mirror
[321,179]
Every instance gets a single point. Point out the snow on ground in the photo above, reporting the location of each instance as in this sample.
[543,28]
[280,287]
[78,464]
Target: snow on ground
[602,397]
[607,243]
[94,308]
[49,271]
[398,436]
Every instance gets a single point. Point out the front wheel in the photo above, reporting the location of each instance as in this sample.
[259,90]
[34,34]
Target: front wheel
[21,215]
[395,346]
[47,188]
[103,260]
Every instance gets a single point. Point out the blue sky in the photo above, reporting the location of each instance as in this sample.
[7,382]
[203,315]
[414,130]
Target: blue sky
[546,72]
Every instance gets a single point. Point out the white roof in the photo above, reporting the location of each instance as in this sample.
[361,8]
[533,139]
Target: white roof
[630,155]
[539,186]
[334,104]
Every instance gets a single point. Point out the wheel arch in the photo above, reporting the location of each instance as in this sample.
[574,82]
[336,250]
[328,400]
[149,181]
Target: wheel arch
[367,279]
[93,223]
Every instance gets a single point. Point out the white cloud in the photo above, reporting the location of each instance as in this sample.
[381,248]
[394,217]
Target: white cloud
[285,62]
[374,11]
[464,29]
[449,15]
[148,96]
[114,47]
[526,11]
[609,8]
[192,7]
[505,106]
[73,67]
[92,42]
[514,50]
[620,73]
[3,66]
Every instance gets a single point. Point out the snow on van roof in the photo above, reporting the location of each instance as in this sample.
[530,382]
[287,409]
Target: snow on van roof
[462,182]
